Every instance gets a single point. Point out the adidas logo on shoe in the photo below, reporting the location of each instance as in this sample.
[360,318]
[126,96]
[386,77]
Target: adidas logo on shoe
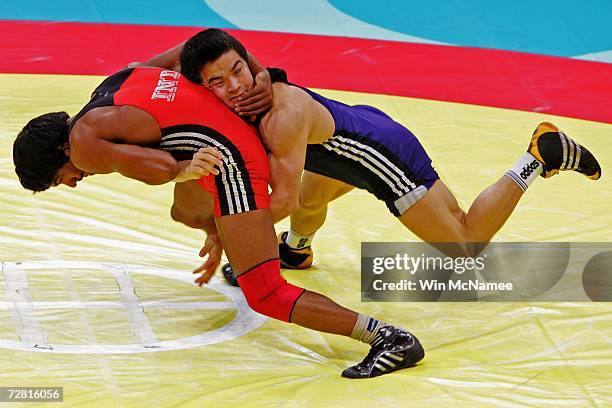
[302,243]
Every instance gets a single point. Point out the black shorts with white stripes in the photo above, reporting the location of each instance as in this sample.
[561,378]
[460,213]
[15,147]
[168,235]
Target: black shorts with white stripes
[391,164]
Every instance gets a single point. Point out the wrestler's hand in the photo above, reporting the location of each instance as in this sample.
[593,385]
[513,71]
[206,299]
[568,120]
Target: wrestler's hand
[213,248]
[202,163]
[257,100]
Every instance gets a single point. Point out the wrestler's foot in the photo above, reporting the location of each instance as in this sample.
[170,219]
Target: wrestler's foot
[559,152]
[292,258]
[392,350]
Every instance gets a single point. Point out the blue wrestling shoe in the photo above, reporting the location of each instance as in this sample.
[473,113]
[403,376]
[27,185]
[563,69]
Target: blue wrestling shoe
[392,349]
[559,152]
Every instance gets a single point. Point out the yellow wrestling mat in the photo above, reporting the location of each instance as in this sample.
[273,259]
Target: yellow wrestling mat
[99,298]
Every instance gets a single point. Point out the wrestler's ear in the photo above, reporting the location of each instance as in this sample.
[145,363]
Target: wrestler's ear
[66,148]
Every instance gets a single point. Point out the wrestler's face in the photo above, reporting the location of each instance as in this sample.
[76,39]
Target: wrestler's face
[68,174]
[227,77]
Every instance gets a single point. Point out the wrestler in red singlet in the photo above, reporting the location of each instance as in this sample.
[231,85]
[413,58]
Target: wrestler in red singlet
[190,117]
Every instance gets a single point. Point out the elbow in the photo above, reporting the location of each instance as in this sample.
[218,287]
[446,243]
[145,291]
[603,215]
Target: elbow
[189,219]
[292,205]
[182,217]
[177,215]
[292,199]
[287,205]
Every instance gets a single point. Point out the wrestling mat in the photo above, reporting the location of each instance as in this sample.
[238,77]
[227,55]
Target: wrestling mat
[96,292]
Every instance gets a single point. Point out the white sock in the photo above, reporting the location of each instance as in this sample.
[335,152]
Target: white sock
[297,241]
[366,328]
[527,169]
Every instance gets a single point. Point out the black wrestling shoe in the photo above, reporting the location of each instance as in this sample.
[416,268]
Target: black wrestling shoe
[229,275]
[291,258]
[392,350]
[559,152]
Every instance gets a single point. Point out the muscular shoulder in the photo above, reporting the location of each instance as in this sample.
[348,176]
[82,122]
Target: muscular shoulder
[94,122]
[295,109]
[287,122]
[289,99]
[125,124]
[291,108]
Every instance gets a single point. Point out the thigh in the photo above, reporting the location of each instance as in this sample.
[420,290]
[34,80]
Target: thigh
[436,217]
[387,160]
[248,238]
[318,190]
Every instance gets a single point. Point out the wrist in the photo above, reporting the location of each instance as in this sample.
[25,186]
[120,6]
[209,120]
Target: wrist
[183,173]
[209,227]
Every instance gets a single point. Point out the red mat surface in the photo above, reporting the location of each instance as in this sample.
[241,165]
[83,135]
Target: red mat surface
[529,82]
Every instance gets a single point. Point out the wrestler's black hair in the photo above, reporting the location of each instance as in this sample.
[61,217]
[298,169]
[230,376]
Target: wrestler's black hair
[204,47]
[38,150]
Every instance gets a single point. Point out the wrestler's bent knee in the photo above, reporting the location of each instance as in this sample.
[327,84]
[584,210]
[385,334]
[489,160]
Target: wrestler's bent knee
[267,292]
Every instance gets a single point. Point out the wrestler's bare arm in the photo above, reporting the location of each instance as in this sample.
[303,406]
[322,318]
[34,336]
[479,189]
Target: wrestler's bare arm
[110,139]
[168,59]
[285,130]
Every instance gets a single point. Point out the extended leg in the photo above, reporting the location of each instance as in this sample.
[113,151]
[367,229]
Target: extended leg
[437,216]
[268,293]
